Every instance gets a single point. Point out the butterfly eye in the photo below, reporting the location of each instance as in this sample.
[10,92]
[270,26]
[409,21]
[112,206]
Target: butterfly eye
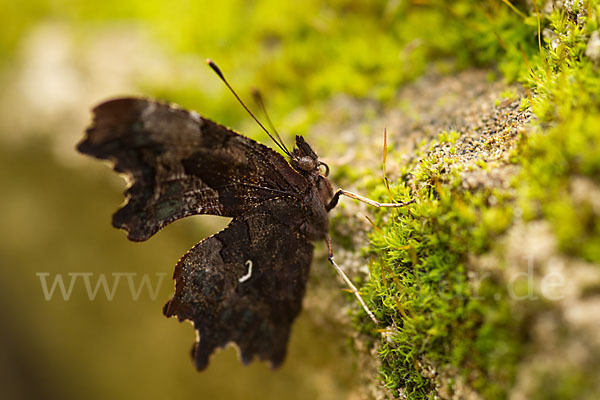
[324,168]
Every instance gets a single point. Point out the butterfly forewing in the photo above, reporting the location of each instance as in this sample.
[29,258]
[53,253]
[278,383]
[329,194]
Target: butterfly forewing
[181,164]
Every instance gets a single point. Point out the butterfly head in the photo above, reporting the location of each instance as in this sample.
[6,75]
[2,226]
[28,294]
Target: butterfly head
[304,158]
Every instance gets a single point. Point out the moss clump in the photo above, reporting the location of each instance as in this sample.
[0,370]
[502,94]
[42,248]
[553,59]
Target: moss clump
[559,182]
[561,160]
[421,291]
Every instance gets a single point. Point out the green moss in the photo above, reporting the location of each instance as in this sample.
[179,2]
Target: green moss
[435,315]
[558,161]
[558,168]
[419,289]
[448,137]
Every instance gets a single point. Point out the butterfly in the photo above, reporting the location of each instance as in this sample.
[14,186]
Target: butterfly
[245,284]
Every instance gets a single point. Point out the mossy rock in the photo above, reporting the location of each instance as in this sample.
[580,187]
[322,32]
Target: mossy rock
[487,285]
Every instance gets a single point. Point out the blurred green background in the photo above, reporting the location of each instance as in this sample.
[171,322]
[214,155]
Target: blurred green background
[58,58]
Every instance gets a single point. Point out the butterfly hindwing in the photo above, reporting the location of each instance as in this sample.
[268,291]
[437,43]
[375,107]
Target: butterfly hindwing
[245,284]
[179,164]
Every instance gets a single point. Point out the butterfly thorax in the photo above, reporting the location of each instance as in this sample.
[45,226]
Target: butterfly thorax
[319,193]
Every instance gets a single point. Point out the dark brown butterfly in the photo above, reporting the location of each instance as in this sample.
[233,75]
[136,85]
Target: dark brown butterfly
[244,284]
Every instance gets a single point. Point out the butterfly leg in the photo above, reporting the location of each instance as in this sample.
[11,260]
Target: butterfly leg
[340,192]
[353,288]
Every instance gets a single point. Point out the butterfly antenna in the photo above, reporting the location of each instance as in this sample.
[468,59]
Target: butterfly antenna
[259,99]
[220,74]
